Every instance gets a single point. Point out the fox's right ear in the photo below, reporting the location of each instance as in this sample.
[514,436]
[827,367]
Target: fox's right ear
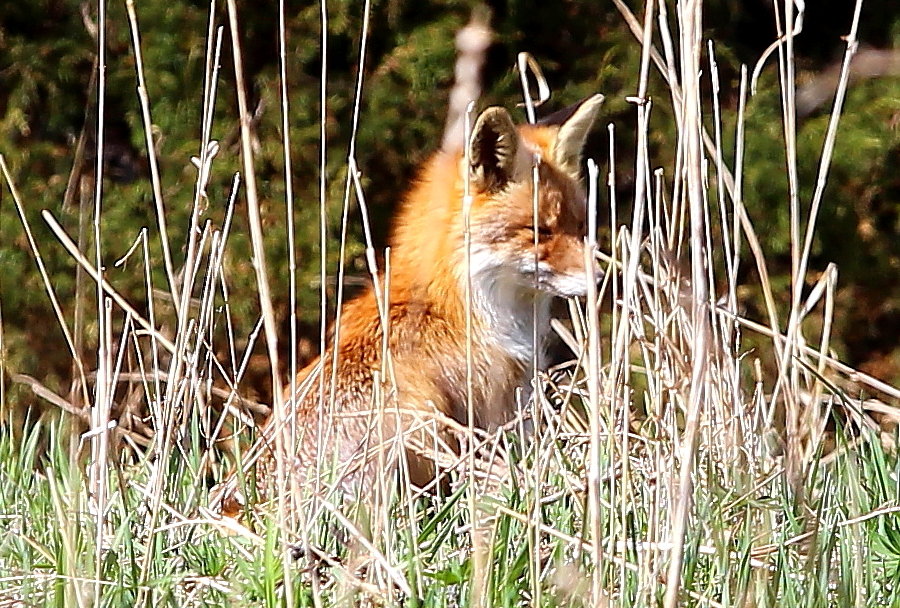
[573,132]
[493,147]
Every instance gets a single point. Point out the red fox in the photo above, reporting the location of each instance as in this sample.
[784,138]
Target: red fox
[514,267]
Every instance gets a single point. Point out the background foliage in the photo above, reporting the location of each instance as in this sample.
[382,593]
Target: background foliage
[47,102]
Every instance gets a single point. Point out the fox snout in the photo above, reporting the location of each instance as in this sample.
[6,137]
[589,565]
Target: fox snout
[568,284]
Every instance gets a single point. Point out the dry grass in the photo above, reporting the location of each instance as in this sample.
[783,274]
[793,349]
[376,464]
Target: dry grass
[664,466]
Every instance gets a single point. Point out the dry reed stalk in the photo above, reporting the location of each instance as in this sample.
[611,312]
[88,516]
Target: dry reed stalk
[593,378]
[690,19]
[152,155]
[324,414]
[797,314]
[480,550]
[262,284]
[291,488]
[97,472]
[323,233]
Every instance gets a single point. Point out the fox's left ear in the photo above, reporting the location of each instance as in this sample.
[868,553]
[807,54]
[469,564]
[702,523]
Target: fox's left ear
[573,132]
[493,147]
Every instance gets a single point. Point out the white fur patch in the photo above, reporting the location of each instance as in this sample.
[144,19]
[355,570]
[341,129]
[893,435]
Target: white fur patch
[508,309]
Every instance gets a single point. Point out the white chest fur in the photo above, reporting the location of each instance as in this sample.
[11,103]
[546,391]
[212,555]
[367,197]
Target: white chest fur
[513,317]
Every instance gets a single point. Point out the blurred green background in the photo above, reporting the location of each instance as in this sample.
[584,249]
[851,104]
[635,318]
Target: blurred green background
[47,58]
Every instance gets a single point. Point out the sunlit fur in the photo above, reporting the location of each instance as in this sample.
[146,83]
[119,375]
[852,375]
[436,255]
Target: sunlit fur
[427,315]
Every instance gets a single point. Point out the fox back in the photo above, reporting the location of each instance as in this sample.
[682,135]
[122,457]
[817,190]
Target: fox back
[405,394]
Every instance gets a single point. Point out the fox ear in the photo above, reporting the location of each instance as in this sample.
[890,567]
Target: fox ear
[492,149]
[573,132]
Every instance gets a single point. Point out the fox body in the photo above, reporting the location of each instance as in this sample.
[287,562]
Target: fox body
[513,268]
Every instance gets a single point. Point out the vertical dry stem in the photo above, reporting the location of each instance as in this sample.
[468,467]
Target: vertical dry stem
[690,19]
[262,281]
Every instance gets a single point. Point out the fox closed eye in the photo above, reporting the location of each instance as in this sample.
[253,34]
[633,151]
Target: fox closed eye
[543,231]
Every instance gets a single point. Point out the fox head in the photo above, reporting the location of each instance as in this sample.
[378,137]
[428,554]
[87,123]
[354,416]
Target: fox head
[519,239]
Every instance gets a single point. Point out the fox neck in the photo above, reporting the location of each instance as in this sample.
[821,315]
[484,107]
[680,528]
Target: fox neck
[432,265]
